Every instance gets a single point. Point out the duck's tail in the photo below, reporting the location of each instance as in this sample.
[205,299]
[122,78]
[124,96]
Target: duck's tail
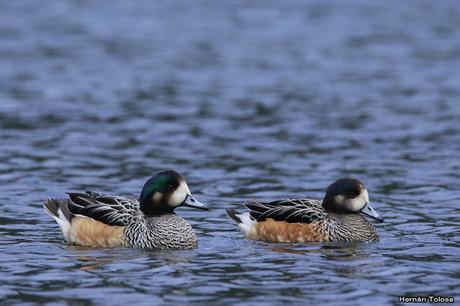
[59,210]
[244,220]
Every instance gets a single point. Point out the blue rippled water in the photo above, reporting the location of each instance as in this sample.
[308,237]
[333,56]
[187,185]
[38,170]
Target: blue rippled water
[249,100]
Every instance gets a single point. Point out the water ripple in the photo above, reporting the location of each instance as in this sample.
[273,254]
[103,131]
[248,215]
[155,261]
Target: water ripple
[247,100]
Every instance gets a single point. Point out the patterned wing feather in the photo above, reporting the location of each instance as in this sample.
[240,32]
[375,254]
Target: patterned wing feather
[291,210]
[111,210]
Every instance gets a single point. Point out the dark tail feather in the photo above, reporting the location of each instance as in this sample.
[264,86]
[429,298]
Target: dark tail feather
[232,214]
[52,206]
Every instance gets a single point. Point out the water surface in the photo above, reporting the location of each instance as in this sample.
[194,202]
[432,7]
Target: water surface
[247,100]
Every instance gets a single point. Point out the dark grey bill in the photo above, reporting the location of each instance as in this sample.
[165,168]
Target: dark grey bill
[191,202]
[369,211]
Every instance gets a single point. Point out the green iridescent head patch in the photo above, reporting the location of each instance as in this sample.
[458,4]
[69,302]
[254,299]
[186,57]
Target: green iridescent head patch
[160,182]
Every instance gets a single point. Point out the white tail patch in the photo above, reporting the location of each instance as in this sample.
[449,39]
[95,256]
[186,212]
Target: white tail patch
[246,223]
[63,223]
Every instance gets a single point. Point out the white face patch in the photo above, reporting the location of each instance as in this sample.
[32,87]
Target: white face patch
[179,195]
[366,195]
[359,202]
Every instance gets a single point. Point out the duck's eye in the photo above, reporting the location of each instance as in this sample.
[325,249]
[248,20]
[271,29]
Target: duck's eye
[352,194]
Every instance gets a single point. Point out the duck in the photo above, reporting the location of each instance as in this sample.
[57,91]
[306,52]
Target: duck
[338,217]
[97,220]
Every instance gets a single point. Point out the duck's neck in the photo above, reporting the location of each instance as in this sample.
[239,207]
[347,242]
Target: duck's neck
[149,208]
[330,205]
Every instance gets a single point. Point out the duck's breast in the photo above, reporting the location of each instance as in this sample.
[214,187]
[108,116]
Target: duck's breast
[350,227]
[171,231]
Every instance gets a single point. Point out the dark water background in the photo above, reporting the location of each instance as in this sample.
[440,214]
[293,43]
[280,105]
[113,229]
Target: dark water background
[247,99]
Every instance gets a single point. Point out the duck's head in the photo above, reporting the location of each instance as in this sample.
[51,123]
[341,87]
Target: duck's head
[348,195]
[165,191]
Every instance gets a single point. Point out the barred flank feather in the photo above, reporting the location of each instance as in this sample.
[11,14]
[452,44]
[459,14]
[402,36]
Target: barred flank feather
[292,211]
[111,210]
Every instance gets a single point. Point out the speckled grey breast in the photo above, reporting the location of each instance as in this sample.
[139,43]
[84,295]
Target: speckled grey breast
[349,227]
[168,231]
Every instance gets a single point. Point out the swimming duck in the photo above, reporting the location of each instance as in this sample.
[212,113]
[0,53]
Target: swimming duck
[338,217]
[98,220]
